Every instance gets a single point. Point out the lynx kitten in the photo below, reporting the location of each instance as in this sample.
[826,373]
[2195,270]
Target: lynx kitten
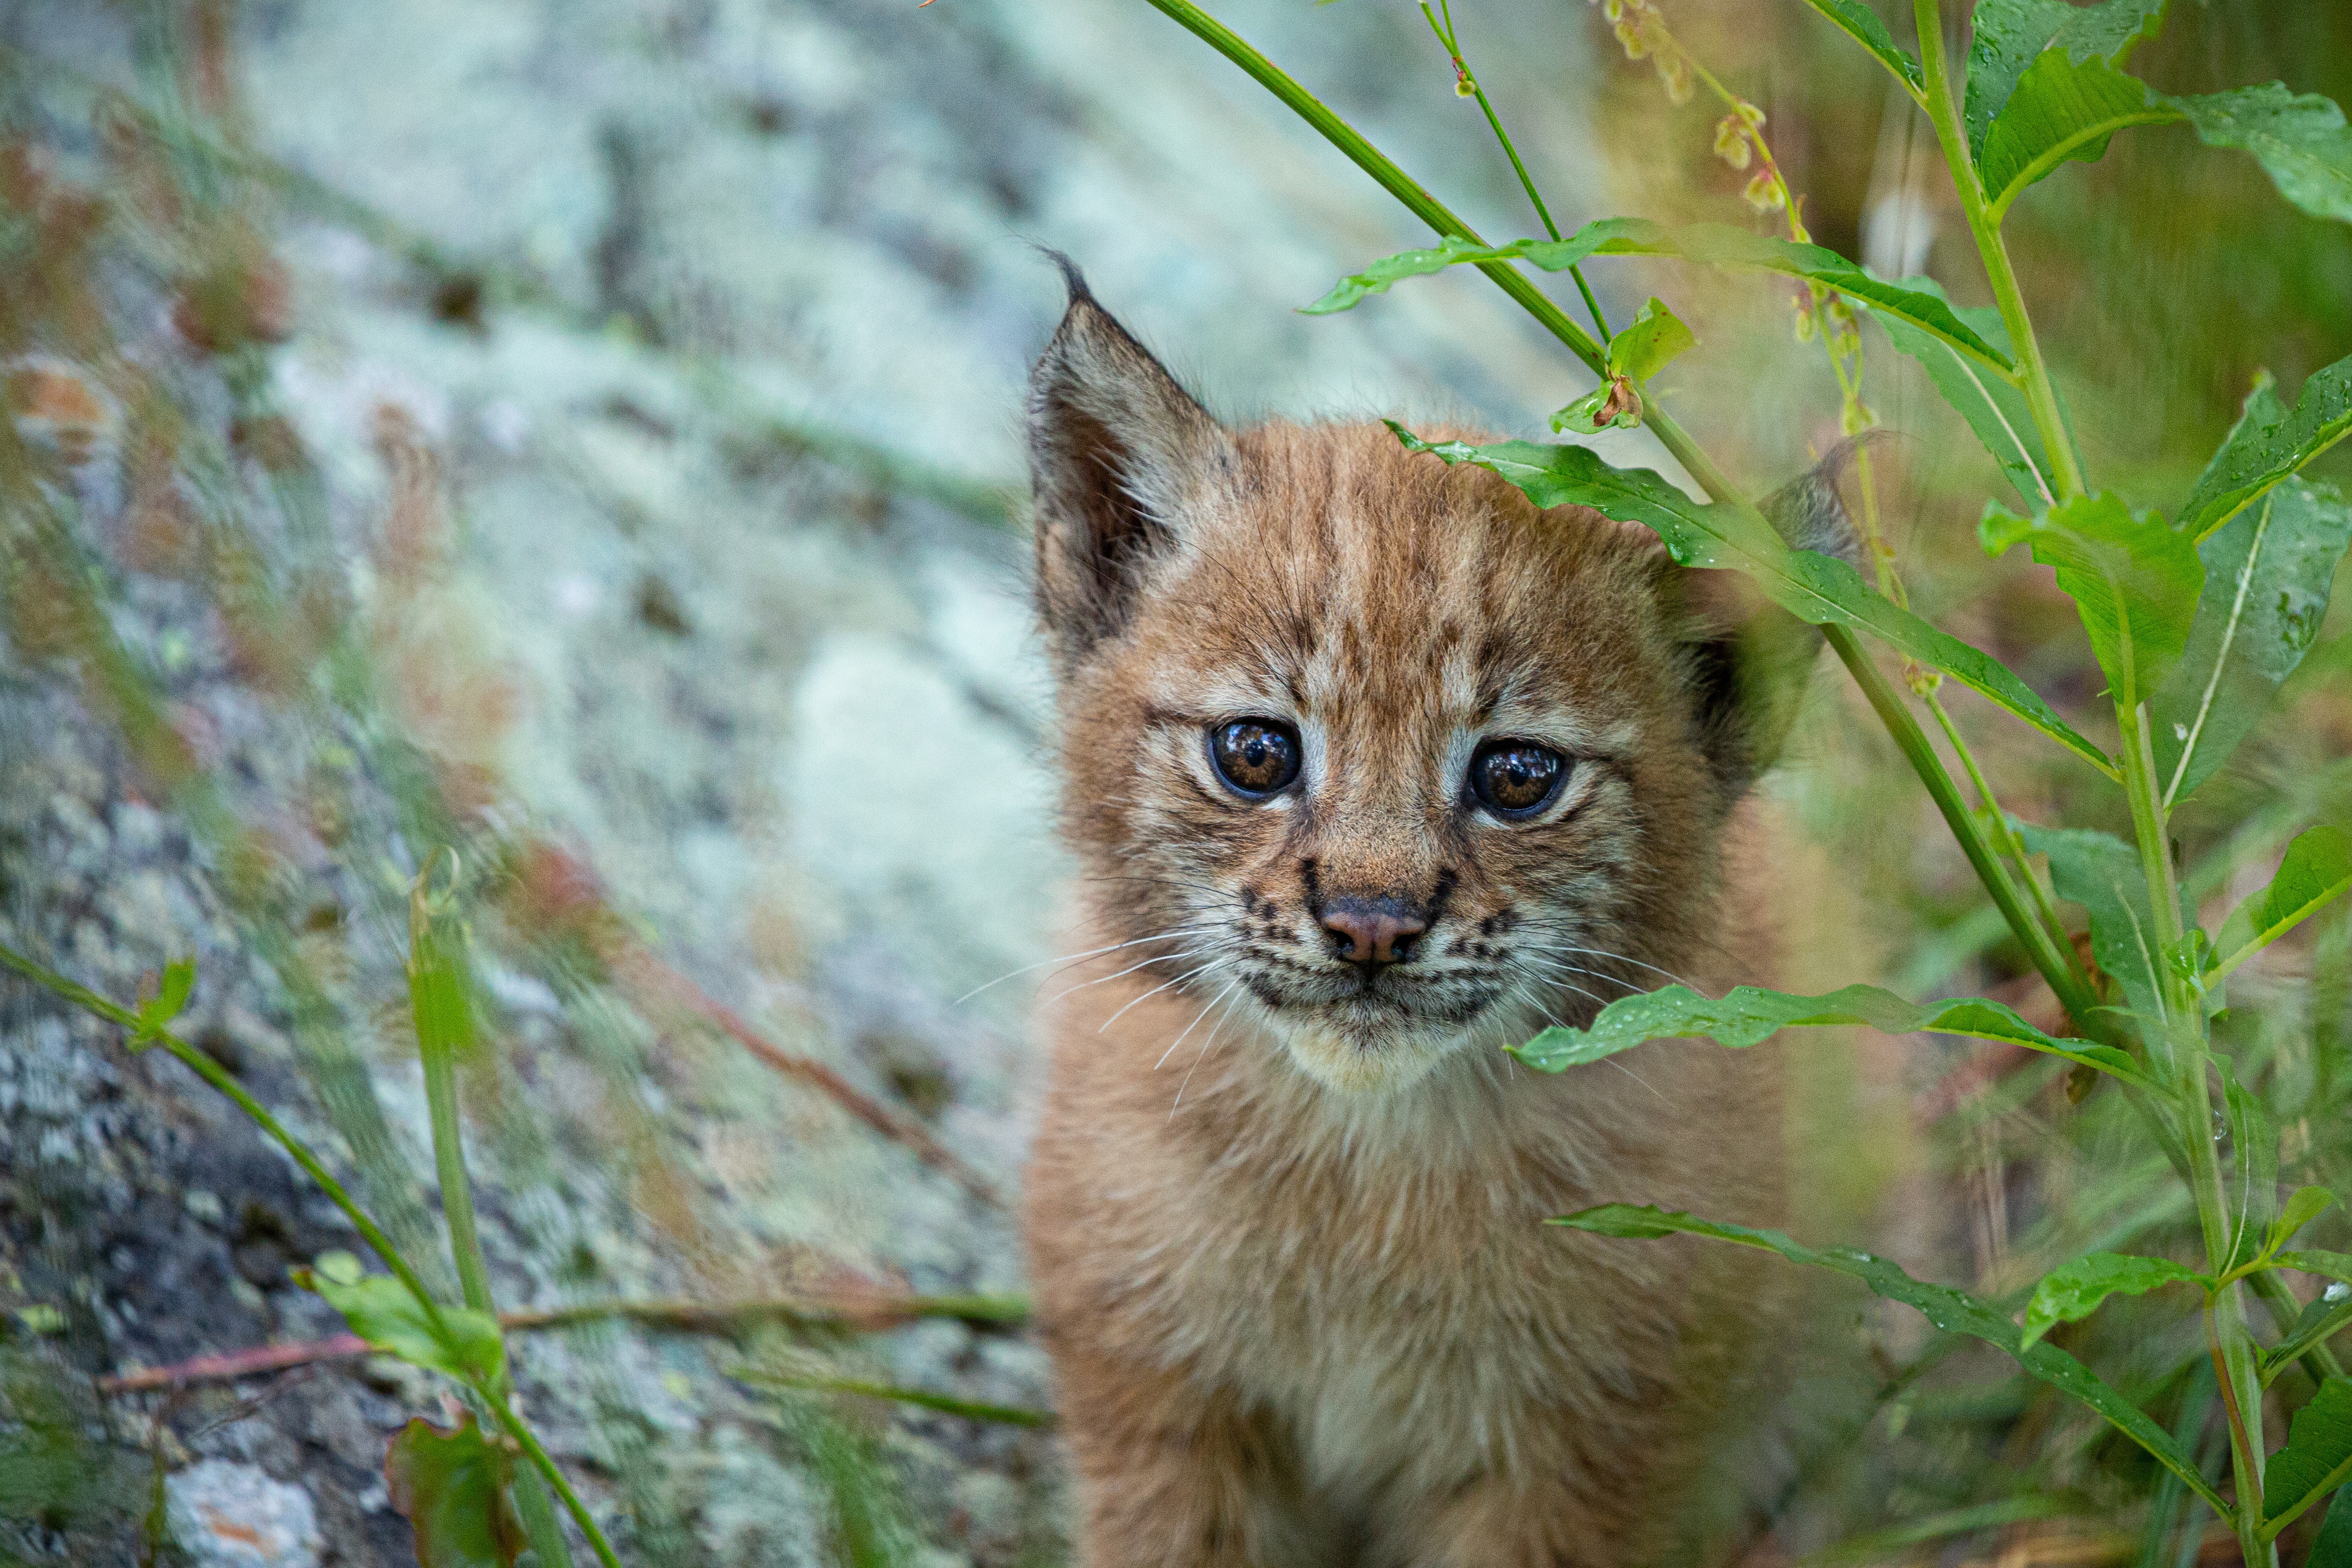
[1373,769]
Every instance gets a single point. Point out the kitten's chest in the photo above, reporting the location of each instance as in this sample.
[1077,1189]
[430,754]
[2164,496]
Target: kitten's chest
[1400,1311]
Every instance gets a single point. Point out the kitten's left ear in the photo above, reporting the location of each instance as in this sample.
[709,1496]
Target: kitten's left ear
[1753,659]
[1119,454]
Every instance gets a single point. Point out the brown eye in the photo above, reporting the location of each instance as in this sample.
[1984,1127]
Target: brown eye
[1255,757]
[1516,778]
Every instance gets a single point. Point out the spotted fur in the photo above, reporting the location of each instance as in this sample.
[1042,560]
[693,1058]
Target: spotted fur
[1285,1210]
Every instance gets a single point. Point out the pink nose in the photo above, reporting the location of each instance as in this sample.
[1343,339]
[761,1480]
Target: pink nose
[1371,930]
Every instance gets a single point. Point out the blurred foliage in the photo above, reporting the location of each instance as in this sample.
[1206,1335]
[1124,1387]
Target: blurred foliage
[141,302]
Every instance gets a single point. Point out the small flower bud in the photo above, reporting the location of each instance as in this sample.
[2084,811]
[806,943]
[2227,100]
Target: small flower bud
[1675,73]
[1765,194]
[1614,9]
[1806,325]
[1462,88]
[1731,141]
[1749,113]
[1628,34]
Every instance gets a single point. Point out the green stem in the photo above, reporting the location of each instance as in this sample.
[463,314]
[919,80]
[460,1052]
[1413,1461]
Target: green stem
[2005,836]
[2235,1361]
[1447,35]
[2056,964]
[445,1029]
[213,1073]
[1889,706]
[1384,173]
[528,1441]
[1943,111]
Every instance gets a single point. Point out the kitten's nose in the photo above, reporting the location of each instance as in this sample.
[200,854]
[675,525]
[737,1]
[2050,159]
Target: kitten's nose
[1371,932]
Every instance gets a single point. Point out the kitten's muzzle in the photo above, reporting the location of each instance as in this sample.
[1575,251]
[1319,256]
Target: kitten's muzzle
[1371,934]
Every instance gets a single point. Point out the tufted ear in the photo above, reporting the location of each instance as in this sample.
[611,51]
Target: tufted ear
[1751,659]
[1120,456]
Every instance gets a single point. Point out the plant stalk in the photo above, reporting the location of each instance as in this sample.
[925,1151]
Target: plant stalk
[2232,1340]
[1884,699]
[1942,111]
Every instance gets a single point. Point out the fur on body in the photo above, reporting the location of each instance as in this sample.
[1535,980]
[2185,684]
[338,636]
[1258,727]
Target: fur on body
[1285,1209]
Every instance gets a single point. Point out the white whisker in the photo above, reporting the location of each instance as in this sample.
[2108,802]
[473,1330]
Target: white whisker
[1207,1040]
[1193,1025]
[1156,990]
[1074,957]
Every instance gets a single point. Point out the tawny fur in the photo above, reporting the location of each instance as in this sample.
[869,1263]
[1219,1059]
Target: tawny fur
[1285,1224]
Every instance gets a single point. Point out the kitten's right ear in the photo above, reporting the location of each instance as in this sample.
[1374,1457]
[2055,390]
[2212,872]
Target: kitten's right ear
[1119,454]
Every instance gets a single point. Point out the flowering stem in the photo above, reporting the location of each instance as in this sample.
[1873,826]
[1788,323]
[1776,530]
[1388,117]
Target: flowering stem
[1467,77]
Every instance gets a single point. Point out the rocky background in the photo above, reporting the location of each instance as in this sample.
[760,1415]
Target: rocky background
[587,435]
[565,455]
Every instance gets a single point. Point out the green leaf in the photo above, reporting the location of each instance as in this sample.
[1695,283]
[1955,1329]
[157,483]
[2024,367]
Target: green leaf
[2134,581]
[1717,245]
[1952,1311]
[1817,589]
[380,1310]
[450,1484]
[2299,140]
[2322,1319]
[1655,339]
[1454,250]
[2336,1266]
[2062,111]
[1994,408]
[2302,1206]
[2268,574]
[170,1000]
[2073,1291]
[2011,35]
[1750,1013]
[1863,24]
[2253,1161]
[2333,1549]
[2317,1458]
[2102,873]
[2269,443]
[2316,868]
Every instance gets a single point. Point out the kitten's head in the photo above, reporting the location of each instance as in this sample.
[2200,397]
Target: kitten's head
[1361,742]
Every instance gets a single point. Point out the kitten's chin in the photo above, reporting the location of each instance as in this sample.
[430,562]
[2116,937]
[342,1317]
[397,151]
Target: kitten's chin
[1359,1060]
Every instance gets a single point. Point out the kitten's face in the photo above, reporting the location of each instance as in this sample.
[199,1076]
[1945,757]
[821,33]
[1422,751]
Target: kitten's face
[1368,748]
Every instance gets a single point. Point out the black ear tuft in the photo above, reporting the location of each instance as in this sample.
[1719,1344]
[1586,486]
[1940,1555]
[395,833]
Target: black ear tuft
[1119,454]
[1751,660]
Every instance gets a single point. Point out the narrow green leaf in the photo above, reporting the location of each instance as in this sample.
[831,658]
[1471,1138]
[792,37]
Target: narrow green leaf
[2269,443]
[1555,256]
[450,1484]
[2011,36]
[1718,245]
[1994,408]
[2316,869]
[2302,1206]
[2135,579]
[2253,1162]
[170,1000]
[380,1310]
[2317,1458]
[1864,26]
[2268,573]
[2073,1291]
[2336,1266]
[2322,1320]
[1655,339]
[2299,140]
[1750,1013]
[1950,1309]
[2333,1549]
[1817,589]
[2062,111]
[2102,873]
